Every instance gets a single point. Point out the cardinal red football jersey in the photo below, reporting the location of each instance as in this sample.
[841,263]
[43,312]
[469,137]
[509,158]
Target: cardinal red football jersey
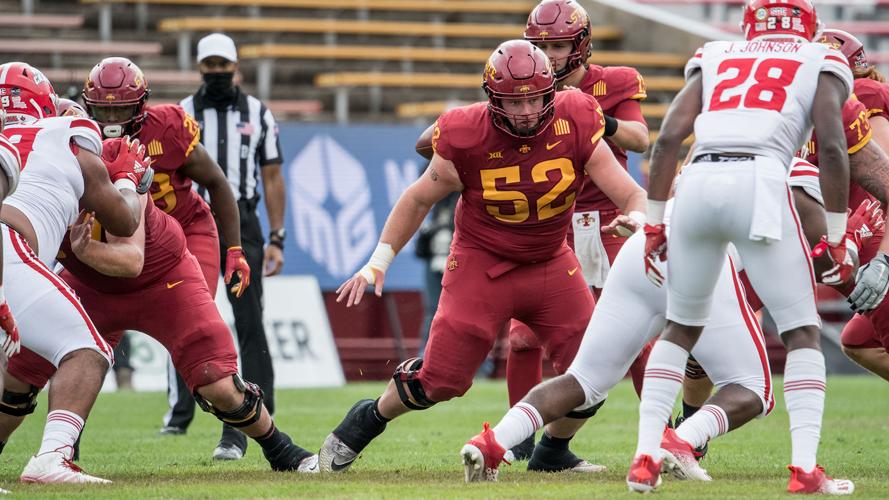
[519,194]
[170,135]
[618,90]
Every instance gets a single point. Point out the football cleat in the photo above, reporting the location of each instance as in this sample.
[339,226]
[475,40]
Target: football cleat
[700,451]
[644,475]
[482,456]
[309,465]
[55,467]
[335,455]
[679,458]
[548,459]
[817,482]
[227,452]
[171,430]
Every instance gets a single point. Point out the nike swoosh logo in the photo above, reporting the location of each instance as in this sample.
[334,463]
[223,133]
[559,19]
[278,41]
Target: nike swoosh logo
[571,272]
[338,467]
[174,284]
[550,146]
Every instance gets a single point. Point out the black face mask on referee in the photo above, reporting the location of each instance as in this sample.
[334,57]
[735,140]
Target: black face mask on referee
[218,87]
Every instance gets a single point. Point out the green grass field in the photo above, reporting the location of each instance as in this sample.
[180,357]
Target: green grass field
[418,455]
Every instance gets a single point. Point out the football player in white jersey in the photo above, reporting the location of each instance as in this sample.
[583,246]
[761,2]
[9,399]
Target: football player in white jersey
[733,348]
[62,172]
[751,105]
[10,168]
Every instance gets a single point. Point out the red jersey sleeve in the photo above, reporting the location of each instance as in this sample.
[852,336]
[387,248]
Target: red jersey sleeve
[459,130]
[626,82]
[858,131]
[589,121]
[874,95]
[180,136]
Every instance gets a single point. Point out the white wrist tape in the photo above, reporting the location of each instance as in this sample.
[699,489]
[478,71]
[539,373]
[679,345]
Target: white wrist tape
[122,184]
[836,226]
[638,217]
[656,211]
[379,261]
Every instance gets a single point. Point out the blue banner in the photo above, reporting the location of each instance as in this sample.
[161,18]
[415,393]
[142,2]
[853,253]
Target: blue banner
[341,183]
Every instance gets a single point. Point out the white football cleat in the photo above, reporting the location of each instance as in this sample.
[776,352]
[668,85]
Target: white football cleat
[585,467]
[335,455]
[309,465]
[227,452]
[55,467]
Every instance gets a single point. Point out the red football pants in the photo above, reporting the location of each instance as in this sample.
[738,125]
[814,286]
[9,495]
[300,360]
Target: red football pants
[480,293]
[202,241]
[177,311]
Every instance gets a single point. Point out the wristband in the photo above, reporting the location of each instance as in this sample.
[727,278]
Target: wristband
[122,184]
[638,216]
[655,212]
[610,125]
[379,261]
[836,227]
[277,243]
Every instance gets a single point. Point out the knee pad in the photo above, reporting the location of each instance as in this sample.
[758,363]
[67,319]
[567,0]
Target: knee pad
[694,370]
[247,414]
[585,413]
[19,404]
[407,383]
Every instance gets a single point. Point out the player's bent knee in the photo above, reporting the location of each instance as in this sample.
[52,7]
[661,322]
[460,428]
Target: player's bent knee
[244,415]
[410,390]
[94,355]
[19,404]
[585,411]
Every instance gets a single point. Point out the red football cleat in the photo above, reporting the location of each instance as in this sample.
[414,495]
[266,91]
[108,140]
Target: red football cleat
[644,475]
[679,458]
[817,482]
[482,456]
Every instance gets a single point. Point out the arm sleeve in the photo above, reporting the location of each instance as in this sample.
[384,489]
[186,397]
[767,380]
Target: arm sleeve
[858,131]
[835,63]
[694,64]
[441,137]
[10,163]
[86,134]
[269,143]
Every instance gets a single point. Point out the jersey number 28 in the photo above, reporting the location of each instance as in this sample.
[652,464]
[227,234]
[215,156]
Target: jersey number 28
[771,76]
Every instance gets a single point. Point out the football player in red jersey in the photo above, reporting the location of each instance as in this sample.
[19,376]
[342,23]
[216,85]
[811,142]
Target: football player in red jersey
[150,282]
[561,28]
[518,161]
[865,337]
[115,94]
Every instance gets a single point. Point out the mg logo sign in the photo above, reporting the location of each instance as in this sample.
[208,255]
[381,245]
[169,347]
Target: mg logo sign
[331,206]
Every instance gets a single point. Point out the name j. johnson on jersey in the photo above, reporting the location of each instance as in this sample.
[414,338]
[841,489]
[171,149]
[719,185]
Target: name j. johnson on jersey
[764,46]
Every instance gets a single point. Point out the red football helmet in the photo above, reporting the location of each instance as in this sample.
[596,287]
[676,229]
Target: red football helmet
[554,20]
[67,107]
[846,43]
[517,70]
[776,18]
[26,94]
[115,93]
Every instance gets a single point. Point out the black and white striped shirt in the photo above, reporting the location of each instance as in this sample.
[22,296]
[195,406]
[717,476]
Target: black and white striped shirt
[240,138]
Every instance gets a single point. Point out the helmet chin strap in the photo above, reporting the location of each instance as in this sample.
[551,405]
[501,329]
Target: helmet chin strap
[112,131]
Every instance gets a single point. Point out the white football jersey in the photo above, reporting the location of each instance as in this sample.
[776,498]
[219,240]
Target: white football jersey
[51,183]
[757,95]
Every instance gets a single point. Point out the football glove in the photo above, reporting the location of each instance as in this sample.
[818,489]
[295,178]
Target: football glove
[125,159]
[655,250]
[12,343]
[872,283]
[865,222]
[236,262]
[843,265]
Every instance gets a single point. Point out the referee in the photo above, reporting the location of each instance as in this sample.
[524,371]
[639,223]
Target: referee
[240,134]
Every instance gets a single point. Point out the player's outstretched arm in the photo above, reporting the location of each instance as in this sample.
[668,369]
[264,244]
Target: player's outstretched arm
[609,176]
[120,257]
[439,180]
[118,211]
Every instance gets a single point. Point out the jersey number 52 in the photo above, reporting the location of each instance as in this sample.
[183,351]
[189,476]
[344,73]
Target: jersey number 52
[771,76]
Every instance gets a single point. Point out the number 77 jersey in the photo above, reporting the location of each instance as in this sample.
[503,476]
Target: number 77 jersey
[758,95]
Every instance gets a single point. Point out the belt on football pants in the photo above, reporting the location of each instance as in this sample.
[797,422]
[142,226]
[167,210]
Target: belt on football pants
[723,157]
